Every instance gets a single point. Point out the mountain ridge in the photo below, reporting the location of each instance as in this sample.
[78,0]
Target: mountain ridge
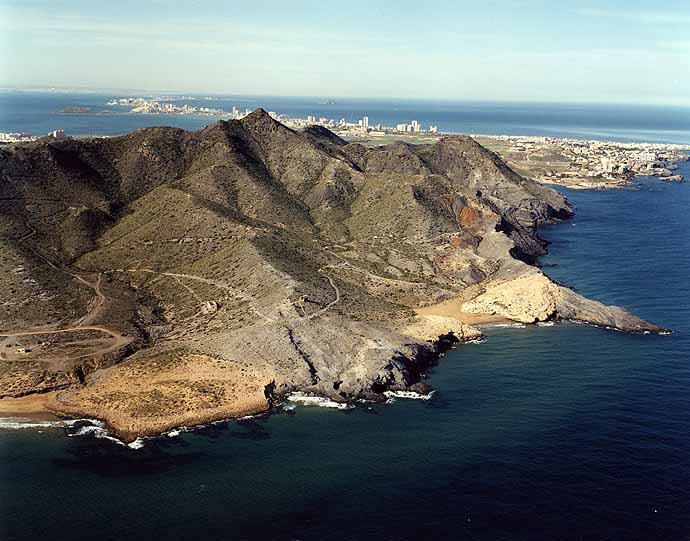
[296,257]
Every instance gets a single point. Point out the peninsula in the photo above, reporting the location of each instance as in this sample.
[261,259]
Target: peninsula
[159,106]
[586,164]
[168,278]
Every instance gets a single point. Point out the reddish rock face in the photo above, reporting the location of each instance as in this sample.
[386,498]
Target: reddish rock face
[468,217]
[465,241]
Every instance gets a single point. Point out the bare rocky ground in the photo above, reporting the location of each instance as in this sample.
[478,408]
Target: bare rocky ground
[169,277]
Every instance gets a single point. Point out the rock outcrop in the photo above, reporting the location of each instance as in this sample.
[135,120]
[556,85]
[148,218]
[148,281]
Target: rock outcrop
[532,297]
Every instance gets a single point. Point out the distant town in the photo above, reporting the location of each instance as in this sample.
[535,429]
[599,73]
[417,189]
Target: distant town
[586,164]
[361,127]
[341,127]
[159,106]
[23,137]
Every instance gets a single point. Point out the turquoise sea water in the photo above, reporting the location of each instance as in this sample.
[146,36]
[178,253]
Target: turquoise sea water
[38,114]
[562,432]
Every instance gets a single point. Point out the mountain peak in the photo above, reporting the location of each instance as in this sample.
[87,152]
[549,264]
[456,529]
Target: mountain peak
[259,114]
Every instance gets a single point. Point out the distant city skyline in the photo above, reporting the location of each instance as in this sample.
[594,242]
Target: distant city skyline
[502,50]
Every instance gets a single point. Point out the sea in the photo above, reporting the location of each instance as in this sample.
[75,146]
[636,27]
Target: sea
[551,432]
[39,114]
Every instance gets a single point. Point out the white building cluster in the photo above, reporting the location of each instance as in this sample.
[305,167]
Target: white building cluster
[158,106]
[24,137]
[16,137]
[604,159]
[361,127]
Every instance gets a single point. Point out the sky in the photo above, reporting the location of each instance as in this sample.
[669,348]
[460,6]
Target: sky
[508,50]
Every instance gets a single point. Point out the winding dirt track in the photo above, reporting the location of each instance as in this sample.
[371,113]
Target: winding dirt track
[217,283]
[250,299]
[99,304]
[96,308]
[118,341]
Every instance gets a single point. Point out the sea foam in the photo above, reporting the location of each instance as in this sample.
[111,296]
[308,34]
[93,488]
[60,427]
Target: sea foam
[409,395]
[511,325]
[96,429]
[312,400]
[18,423]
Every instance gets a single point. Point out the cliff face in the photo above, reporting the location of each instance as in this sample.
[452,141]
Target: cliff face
[291,260]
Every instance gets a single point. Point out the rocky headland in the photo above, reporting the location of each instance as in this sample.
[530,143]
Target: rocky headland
[168,278]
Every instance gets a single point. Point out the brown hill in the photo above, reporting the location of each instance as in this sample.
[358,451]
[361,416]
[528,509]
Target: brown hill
[249,256]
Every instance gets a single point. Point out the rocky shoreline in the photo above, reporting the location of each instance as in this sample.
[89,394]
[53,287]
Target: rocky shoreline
[188,277]
[129,430]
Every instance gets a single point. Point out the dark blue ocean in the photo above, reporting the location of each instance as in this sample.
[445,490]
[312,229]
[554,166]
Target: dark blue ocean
[567,432]
[39,114]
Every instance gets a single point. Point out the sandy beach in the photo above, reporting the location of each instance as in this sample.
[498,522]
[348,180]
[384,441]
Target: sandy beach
[453,308]
[33,406]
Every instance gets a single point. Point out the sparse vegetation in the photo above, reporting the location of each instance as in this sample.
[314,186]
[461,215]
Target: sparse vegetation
[250,249]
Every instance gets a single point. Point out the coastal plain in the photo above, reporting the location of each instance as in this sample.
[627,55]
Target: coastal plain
[169,277]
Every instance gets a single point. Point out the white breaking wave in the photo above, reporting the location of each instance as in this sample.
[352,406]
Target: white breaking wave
[136,444]
[408,394]
[545,323]
[18,423]
[97,430]
[311,400]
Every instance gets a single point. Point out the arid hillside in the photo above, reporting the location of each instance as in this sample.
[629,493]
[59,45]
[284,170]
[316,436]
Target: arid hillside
[168,277]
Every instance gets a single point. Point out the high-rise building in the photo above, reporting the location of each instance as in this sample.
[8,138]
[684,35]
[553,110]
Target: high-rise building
[365,121]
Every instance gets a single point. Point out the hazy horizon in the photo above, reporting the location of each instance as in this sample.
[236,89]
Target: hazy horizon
[508,50]
[135,92]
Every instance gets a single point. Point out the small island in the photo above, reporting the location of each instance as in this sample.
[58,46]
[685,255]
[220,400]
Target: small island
[76,110]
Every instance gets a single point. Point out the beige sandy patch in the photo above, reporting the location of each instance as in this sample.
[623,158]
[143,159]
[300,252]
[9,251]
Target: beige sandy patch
[154,393]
